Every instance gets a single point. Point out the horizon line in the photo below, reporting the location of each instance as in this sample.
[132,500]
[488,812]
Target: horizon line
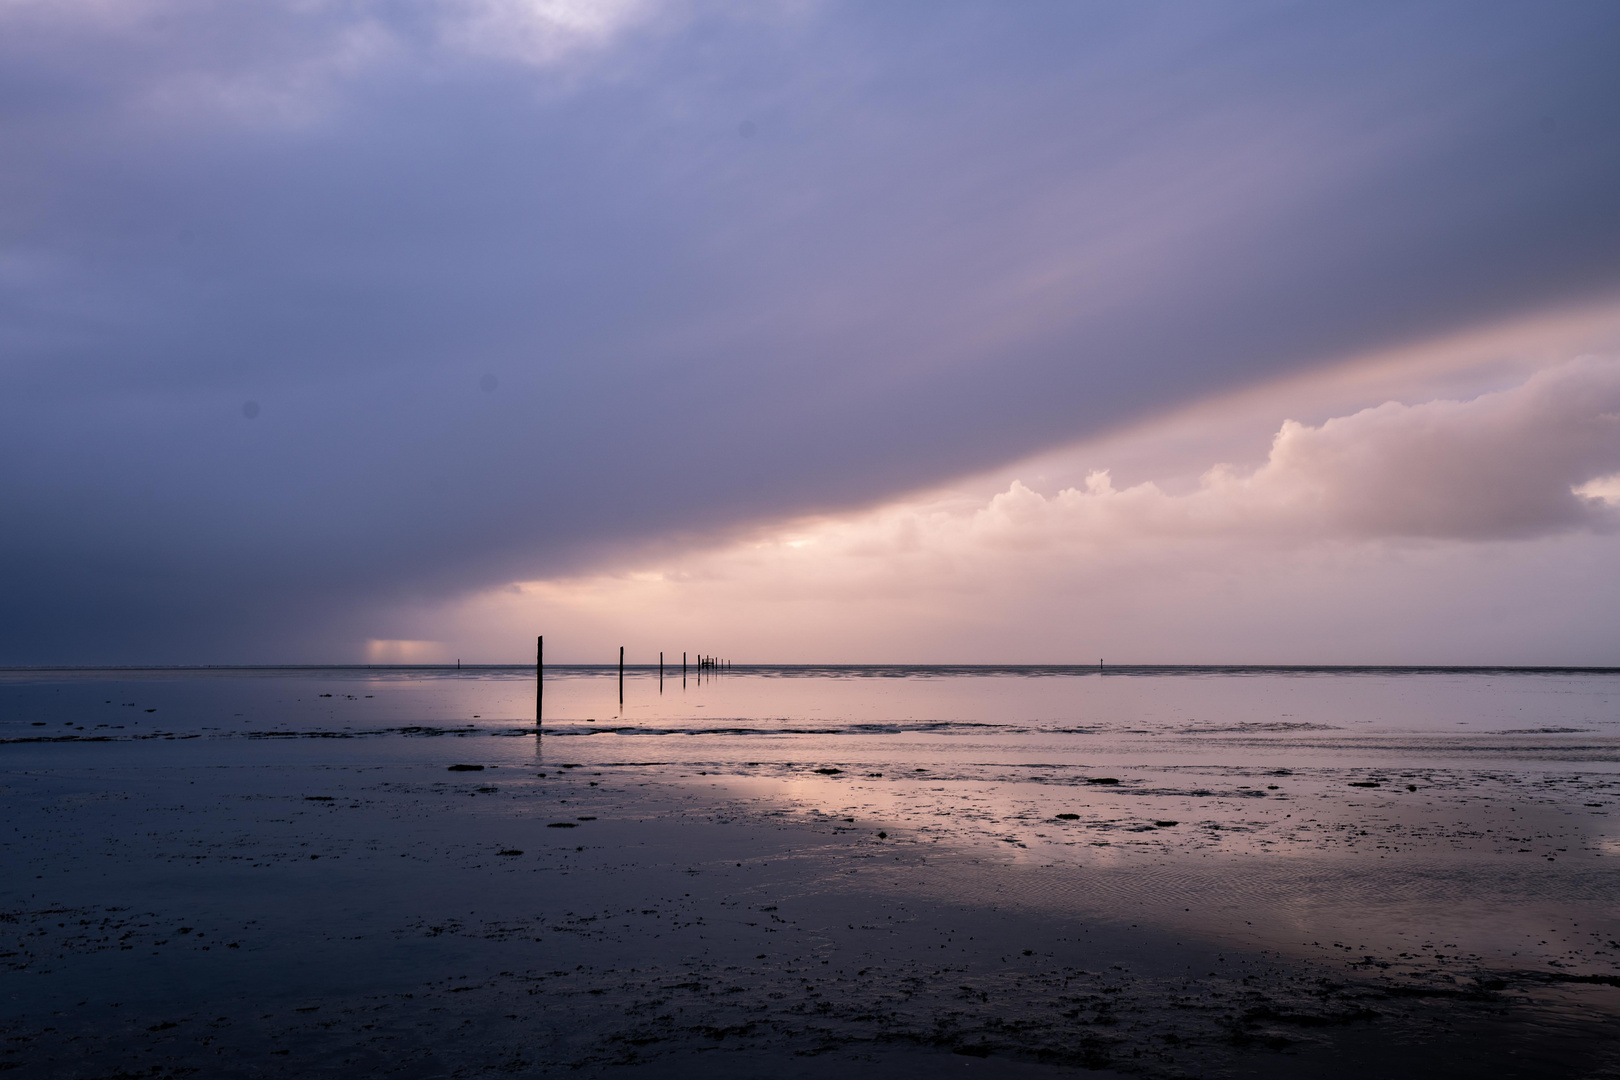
[845,666]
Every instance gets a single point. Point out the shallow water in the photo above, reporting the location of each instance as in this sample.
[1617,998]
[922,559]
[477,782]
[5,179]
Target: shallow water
[1249,868]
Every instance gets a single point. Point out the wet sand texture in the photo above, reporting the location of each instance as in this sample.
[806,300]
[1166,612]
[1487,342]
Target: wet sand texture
[349,898]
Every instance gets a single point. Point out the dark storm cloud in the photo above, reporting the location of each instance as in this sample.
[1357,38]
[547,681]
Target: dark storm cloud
[312,308]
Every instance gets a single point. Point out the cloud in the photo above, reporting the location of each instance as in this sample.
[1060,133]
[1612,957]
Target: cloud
[295,63]
[1534,460]
[540,32]
[1503,465]
[1605,489]
[726,267]
[1345,523]
[1517,463]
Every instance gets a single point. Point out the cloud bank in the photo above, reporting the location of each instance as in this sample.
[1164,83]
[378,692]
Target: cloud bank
[312,310]
[1533,461]
[1442,506]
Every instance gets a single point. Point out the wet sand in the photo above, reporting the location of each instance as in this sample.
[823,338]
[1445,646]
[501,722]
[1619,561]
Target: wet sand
[195,893]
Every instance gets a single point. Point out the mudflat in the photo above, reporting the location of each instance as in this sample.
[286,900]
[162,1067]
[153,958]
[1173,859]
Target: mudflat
[790,873]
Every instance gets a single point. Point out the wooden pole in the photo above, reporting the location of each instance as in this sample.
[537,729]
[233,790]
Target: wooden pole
[621,674]
[539,679]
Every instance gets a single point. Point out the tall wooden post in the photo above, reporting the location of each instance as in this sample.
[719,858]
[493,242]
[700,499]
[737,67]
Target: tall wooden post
[621,674]
[539,679]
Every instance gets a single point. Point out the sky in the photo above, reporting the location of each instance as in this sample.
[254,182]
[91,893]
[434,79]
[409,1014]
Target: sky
[406,330]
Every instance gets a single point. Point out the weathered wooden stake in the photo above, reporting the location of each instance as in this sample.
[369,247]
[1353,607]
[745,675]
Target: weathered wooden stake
[621,674]
[539,679]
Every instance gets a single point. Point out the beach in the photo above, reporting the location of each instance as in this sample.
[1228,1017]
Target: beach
[795,871]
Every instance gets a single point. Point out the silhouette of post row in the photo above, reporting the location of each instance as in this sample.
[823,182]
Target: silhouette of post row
[704,663]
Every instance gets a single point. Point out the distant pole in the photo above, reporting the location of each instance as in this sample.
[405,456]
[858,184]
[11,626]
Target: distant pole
[1099,665]
[683,665]
[660,671]
[539,678]
[621,674]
